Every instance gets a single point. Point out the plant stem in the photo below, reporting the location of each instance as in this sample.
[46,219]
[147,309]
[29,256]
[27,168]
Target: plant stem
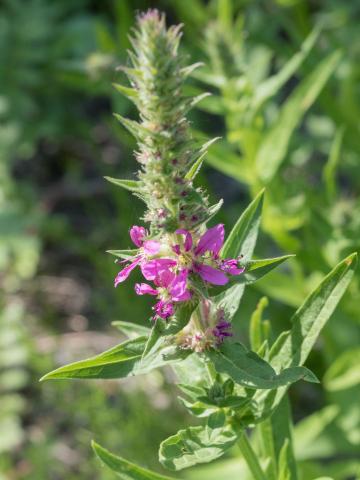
[250,458]
[211,371]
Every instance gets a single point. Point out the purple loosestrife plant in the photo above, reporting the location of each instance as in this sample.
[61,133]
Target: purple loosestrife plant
[197,280]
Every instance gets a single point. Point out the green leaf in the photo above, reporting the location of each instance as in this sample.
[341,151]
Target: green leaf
[274,146]
[344,371]
[312,315]
[195,168]
[324,478]
[130,329]
[198,444]
[294,346]
[246,368]
[124,469]
[198,408]
[188,70]
[256,269]
[256,333]
[243,236]
[280,427]
[284,471]
[154,338]
[329,171]
[191,370]
[242,239]
[135,128]
[212,211]
[117,362]
[129,92]
[230,299]
[131,185]
[121,361]
[273,84]
[125,254]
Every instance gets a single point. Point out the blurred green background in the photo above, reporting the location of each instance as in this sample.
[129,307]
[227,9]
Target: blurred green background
[285,82]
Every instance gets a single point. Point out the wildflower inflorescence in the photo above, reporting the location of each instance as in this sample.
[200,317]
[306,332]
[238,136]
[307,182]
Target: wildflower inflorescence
[178,257]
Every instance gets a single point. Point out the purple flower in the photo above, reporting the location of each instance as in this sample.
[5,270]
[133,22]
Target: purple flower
[205,255]
[221,331]
[147,248]
[170,288]
[154,269]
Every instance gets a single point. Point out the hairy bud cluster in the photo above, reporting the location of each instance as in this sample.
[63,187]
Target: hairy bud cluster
[166,150]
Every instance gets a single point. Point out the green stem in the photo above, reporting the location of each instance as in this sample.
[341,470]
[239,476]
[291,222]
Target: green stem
[211,371]
[251,458]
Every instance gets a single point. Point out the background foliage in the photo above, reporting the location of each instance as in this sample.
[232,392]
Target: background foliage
[285,82]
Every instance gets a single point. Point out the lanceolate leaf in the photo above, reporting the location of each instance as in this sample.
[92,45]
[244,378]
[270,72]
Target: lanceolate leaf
[273,148]
[249,370]
[311,317]
[119,362]
[198,444]
[195,168]
[135,128]
[256,327]
[129,92]
[125,254]
[242,238]
[131,185]
[284,462]
[294,346]
[124,469]
[275,432]
[229,300]
[114,363]
[272,85]
[329,171]
[255,269]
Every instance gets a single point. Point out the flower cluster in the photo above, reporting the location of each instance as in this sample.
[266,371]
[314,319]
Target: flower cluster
[178,257]
[207,331]
[173,263]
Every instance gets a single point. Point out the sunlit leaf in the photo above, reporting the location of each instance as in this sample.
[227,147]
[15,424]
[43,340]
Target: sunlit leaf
[198,444]
[274,146]
[243,236]
[121,361]
[272,85]
[124,469]
[251,371]
[131,185]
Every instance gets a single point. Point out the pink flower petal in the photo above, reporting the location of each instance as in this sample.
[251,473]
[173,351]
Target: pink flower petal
[165,278]
[145,289]
[163,309]
[137,235]
[188,238]
[125,272]
[210,274]
[151,247]
[178,288]
[176,249]
[153,268]
[211,241]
